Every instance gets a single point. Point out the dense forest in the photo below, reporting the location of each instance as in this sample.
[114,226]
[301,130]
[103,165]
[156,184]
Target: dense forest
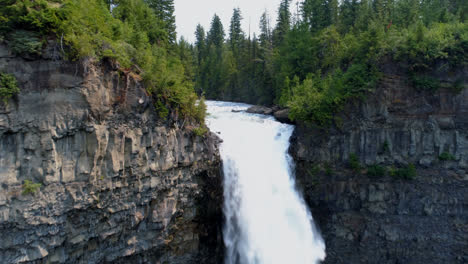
[329,52]
[140,35]
[312,60]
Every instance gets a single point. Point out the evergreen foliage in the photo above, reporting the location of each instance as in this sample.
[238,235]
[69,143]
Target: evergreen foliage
[354,163]
[405,173]
[8,87]
[164,10]
[139,35]
[332,54]
[30,187]
[376,171]
[445,156]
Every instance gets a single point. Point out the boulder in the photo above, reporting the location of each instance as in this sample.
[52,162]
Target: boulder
[258,109]
[283,116]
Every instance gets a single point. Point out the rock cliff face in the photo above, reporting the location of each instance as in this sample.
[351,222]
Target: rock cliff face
[117,184]
[386,220]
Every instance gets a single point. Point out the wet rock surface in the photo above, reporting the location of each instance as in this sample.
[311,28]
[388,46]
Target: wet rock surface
[118,185]
[283,116]
[382,219]
[258,109]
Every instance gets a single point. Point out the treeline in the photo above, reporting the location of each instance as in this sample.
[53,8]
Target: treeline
[139,34]
[329,52]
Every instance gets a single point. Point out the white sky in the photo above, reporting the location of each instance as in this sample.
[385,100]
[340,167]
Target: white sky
[191,12]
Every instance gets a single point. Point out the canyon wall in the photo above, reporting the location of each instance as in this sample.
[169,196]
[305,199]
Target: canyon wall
[118,185]
[384,219]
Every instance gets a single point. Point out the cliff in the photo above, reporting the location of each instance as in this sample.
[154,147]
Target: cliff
[369,218]
[117,184]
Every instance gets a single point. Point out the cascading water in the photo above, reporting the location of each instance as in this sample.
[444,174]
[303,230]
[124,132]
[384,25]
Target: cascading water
[267,221]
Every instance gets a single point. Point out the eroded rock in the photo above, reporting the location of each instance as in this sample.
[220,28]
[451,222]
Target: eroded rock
[258,109]
[384,220]
[117,184]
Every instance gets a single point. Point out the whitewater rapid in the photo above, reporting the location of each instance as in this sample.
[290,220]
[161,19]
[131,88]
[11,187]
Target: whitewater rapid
[267,221]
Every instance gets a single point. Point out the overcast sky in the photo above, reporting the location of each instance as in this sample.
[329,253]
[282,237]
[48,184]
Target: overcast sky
[191,12]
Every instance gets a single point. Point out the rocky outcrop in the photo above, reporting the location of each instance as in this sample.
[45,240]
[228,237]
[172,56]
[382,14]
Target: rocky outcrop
[117,184]
[368,219]
[258,109]
[397,124]
[283,116]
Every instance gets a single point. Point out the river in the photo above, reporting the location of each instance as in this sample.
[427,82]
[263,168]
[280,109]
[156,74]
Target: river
[267,220]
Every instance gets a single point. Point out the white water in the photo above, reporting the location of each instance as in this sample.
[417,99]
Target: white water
[267,221]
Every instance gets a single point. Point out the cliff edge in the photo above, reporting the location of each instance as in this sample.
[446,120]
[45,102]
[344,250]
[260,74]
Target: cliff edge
[89,173]
[389,182]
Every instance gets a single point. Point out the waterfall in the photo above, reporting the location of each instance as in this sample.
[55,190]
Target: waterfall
[267,221]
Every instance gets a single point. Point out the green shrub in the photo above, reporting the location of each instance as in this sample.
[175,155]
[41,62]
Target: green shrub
[162,110]
[422,47]
[328,169]
[425,83]
[354,163]
[407,173]
[445,156]
[200,131]
[25,43]
[8,86]
[29,187]
[313,171]
[133,35]
[318,98]
[42,16]
[376,171]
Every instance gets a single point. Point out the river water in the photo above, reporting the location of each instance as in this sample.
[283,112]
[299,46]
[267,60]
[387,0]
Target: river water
[267,221]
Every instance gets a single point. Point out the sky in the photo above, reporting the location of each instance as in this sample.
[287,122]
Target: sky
[191,12]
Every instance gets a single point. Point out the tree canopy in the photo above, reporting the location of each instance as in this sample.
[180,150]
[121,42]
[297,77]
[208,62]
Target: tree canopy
[332,53]
[139,35]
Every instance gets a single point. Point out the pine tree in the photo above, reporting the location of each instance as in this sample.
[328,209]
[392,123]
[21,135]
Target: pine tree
[200,44]
[348,15]
[164,10]
[185,51]
[265,30]
[333,12]
[408,12]
[283,23]
[263,59]
[236,35]
[215,72]
[216,34]
[363,15]
[319,14]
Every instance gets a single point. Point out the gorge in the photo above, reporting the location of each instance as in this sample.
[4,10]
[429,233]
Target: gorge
[120,143]
[116,183]
[267,221]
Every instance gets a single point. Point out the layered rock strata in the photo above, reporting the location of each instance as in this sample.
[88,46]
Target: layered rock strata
[384,219]
[117,184]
